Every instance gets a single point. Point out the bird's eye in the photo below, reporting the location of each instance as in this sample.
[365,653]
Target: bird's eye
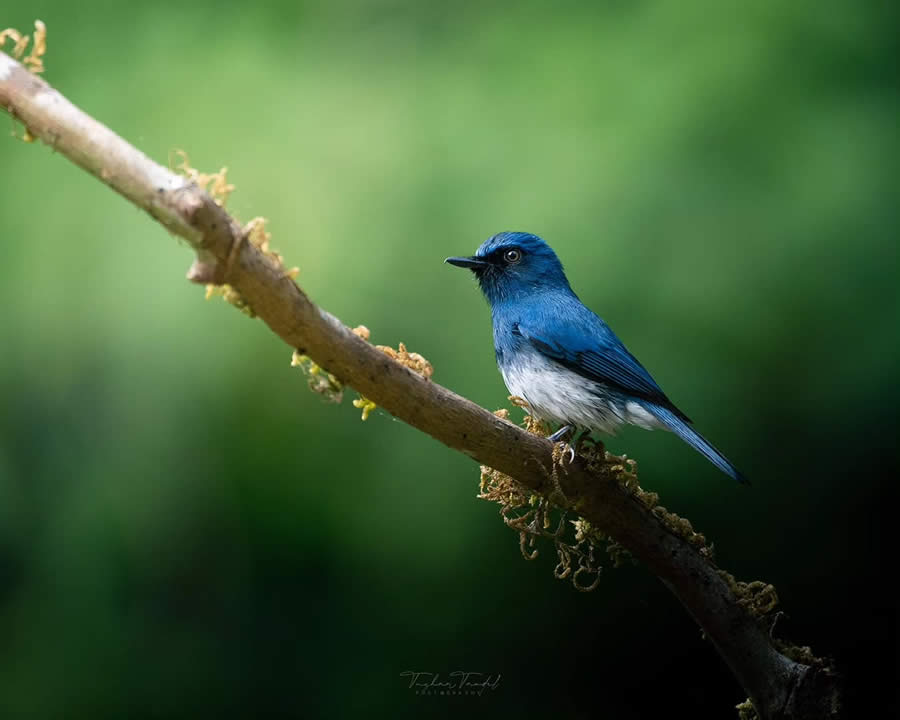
[512,256]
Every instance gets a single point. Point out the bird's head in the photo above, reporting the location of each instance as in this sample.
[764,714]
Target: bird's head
[513,264]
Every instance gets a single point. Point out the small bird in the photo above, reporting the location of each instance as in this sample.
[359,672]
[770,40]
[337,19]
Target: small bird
[560,357]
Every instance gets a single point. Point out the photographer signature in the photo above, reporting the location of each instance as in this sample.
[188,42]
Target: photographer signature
[458,682]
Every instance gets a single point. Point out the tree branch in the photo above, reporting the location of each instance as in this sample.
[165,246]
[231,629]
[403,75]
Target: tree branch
[779,687]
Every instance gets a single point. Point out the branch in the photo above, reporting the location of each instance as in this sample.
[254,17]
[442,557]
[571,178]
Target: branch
[779,686]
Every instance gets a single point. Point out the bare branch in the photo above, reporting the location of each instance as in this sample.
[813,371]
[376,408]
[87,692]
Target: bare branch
[779,687]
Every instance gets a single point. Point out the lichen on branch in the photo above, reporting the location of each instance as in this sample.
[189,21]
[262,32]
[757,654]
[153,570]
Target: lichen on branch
[216,184]
[254,232]
[34,61]
[578,544]
[327,385]
[319,380]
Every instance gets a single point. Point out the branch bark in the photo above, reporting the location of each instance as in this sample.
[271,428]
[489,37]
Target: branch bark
[778,686]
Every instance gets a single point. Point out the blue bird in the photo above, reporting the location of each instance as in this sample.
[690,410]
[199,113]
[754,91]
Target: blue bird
[560,357]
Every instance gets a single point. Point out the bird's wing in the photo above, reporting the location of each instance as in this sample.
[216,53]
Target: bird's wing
[591,349]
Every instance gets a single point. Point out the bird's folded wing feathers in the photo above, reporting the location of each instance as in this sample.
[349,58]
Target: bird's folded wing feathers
[600,356]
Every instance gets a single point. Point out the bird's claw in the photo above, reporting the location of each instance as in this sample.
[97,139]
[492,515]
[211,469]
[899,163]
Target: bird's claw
[562,437]
[561,450]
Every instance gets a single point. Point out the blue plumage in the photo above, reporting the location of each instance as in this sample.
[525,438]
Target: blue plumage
[559,356]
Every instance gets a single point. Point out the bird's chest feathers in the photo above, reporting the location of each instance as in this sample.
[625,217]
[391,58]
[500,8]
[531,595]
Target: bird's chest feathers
[555,393]
[552,392]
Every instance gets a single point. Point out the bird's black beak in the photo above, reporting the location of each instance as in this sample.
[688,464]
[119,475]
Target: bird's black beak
[472,263]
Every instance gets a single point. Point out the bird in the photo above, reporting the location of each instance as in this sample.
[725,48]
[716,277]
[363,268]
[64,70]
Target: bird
[563,359]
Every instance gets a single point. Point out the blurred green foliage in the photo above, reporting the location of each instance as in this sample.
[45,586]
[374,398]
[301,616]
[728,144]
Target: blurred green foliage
[186,530]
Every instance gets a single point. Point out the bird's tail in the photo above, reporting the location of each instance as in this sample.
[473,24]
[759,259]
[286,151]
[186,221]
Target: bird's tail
[683,430]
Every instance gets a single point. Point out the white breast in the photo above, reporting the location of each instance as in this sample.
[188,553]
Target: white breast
[562,396]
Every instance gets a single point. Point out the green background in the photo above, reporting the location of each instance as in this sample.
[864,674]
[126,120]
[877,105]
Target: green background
[186,530]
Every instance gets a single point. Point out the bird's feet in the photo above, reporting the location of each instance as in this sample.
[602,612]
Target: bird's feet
[561,437]
[563,455]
